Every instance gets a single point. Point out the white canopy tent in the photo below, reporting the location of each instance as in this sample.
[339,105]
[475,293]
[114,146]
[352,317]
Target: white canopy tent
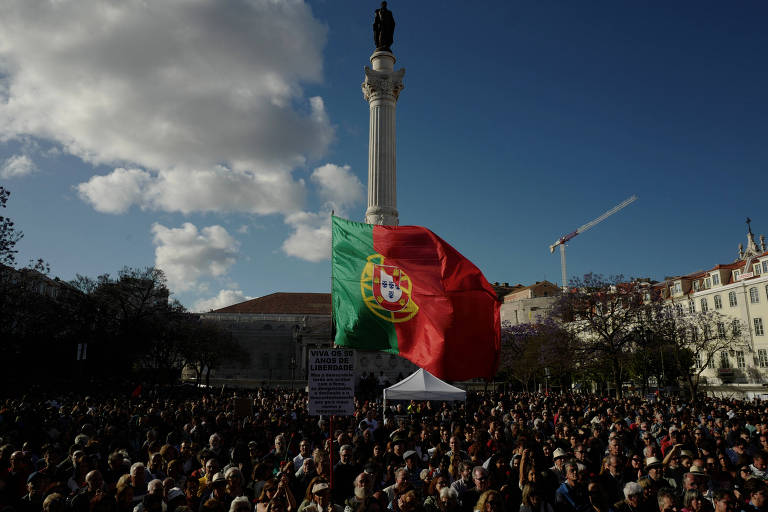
[422,385]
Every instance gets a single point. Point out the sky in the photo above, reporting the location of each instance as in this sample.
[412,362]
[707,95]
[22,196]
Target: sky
[213,139]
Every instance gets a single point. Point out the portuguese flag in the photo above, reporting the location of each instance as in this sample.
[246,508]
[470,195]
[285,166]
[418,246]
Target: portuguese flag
[404,290]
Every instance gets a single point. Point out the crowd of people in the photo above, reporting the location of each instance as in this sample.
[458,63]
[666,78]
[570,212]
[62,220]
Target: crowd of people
[260,451]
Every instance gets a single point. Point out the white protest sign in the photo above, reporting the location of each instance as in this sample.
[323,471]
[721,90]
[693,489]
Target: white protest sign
[331,382]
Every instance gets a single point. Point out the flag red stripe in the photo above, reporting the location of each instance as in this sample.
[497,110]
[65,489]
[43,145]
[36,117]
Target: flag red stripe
[455,334]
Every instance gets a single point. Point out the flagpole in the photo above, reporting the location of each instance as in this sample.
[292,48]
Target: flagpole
[333,339]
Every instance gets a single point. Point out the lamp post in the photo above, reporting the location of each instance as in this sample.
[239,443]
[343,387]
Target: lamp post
[292,366]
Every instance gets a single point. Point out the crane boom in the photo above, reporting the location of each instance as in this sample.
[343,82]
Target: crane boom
[565,238]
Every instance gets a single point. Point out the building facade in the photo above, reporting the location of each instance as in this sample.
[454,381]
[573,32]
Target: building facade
[278,331]
[738,291]
[529,304]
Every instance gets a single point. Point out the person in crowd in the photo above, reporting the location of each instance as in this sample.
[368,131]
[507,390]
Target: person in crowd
[432,501]
[571,495]
[481,480]
[321,499]
[489,501]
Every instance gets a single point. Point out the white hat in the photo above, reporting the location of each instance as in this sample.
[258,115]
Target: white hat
[320,487]
[559,453]
[652,462]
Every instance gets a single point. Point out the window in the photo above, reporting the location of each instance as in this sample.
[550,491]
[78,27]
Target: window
[704,306]
[736,274]
[765,266]
[766,291]
[762,358]
[678,288]
[753,296]
[732,299]
[721,330]
[718,302]
[756,269]
[758,326]
[698,360]
[740,363]
[692,306]
[736,328]
[695,286]
[694,334]
[724,361]
[715,279]
[679,309]
[707,283]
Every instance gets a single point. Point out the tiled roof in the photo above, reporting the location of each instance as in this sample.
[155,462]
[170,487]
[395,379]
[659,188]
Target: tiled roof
[284,303]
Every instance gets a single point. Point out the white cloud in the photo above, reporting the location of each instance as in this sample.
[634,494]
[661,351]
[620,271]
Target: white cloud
[223,299]
[204,96]
[115,192]
[337,185]
[311,237]
[17,166]
[186,254]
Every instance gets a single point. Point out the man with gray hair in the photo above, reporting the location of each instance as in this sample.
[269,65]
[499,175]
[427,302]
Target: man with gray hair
[138,481]
[400,483]
[633,494]
[571,496]
[344,473]
[481,479]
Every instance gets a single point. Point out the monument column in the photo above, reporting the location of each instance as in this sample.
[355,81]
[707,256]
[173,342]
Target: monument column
[381,89]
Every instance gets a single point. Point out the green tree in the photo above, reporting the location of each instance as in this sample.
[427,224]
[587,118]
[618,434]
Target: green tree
[9,235]
[528,349]
[208,346]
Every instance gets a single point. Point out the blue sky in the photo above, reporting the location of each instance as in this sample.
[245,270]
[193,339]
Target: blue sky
[212,139]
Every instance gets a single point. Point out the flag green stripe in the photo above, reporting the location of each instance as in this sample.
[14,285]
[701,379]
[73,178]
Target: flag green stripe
[356,325]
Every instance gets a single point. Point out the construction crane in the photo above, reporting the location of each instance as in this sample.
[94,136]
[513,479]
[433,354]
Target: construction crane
[565,238]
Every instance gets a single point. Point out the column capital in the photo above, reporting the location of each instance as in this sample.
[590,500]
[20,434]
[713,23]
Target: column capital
[382,84]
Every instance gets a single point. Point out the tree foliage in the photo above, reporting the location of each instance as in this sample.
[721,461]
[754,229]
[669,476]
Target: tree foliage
[9,235]
[527,349]
[602,313]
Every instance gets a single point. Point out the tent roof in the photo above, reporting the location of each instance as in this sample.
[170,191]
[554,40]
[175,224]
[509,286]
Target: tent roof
[422,385]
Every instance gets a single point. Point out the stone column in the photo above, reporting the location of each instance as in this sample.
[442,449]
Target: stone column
[381,89]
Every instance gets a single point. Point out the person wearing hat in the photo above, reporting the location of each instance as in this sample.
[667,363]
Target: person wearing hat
[655,475]
[321,499]
[37,484]
[558,469]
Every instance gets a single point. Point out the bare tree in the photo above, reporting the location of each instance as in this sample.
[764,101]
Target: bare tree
[706,335]
[603,314]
